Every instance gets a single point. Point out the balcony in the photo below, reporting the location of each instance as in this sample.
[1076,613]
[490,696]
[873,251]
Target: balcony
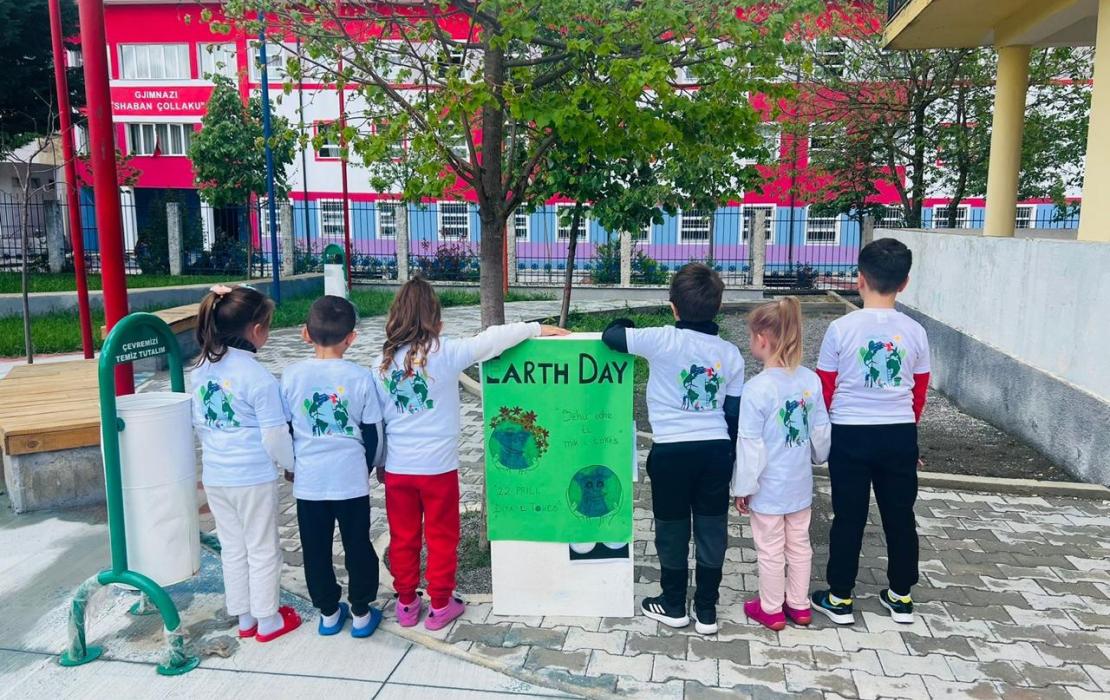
[893,7]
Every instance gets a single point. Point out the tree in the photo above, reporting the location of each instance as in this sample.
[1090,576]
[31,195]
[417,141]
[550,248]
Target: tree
[484,111]
[228,153]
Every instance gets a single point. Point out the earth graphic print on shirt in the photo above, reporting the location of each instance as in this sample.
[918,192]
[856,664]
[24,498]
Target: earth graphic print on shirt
[882,361]
[794,419]
[700,386]
[216,398]
[409,391]
[328,412]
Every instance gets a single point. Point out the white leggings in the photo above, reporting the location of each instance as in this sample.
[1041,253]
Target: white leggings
[246,523]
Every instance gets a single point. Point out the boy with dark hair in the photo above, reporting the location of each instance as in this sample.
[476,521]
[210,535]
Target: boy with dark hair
[874,369]
[336,437]
[693,397]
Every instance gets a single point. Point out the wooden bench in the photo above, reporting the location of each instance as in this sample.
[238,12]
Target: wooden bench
[182,320]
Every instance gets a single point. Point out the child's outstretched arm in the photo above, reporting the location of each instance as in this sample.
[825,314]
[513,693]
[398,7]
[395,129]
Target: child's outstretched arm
[278,444]
[616,334]
[497,339]
[751,453]
[273,421]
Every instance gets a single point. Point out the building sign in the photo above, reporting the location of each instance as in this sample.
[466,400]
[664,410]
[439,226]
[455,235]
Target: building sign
[183,101]
[559,442]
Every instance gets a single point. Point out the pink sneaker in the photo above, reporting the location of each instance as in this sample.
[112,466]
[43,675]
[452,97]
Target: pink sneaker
[438,618]
[408,615]
[799,616]
[754,611]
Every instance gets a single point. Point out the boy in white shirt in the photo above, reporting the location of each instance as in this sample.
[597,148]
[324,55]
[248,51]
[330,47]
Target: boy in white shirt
[874,369]
[693,397]
[336,425]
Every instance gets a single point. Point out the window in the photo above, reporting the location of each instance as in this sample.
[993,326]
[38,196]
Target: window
[829,57]
[769,141]
[821,228]
[159,139]
[693,226]
[458,146]
[750,211]
[940,216]
[387,219]
[454,221]
[563,214]
[154,62]
[643,235]
[329,149]
[395,151]
[1026,216]
[446,60]
[521,225]
[820,145]
[74,58]
[217,59]
[264,217]
[893,217]
[331,217]
[275,62]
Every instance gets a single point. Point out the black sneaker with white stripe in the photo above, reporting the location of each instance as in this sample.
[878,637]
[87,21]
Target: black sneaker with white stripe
[658,609]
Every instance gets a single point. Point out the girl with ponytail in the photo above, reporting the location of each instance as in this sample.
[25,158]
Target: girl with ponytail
[784,429]
[242,423]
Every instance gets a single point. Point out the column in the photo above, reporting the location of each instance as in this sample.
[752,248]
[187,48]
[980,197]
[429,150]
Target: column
[285,232]
[1006,130]
[1094,217]
[626,258]
[867,230]
[757,239]
[55,235]
[173,236]
[510,248]
[401,241]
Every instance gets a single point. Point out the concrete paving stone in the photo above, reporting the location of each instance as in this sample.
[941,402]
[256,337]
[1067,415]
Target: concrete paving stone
[1055,655]
[1095,576]
[490,635]
[1080,694]
[895,665]
[976,629]
[672,646]
[1026,633]
[1083,564]
[521,635]
[872,687]
[1090,621]
[1101,676]
[570,661]
[745,630]
[942,690]
[528,620]
[949,594]
[833,681]
[946,646]
[641,624]
[1020,585]
[666,668]
[985,557]
[1055,560]
[969,613]
[595,685]
[984,598]
[1056,602]
[423,667]
[1085,589]
[771,676]
[883,623]
[815,637]
[854,640]
[735,651]
[863,660]
[763,654]
[1055,619]
[1012,651]
[612,642]
[1078,637]
[590,624]
[671,690]
[953,580]
[1013,692]
[971,671]
[510,657]
[1039,676]
[636,667]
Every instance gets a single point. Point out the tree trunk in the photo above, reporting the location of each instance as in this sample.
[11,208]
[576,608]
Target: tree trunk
[711,262]
[491,192]
[572,248]
[24,216]
[914,215]
[491,287]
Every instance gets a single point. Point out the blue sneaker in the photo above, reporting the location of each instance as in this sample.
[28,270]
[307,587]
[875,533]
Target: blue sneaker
[367,629]
[900,606]
[839,612]
[344,613]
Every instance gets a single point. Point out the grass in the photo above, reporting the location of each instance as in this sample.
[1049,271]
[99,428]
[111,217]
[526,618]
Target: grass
[10,282]
[60,331]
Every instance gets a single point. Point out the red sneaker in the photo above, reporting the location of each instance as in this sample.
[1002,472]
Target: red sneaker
[290,621]
[754,611]
[799,616]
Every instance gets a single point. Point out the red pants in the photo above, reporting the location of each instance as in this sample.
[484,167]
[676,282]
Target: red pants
[413,502]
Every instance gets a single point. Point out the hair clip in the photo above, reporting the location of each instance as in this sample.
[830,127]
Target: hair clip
[219,289]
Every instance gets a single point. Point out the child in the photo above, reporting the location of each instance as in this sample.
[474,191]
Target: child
[783,424]
[693,398]
[874,367]
[242,424]
[336,419]
[419,392]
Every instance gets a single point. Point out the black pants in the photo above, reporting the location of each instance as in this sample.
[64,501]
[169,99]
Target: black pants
[690,481]
[317,521]
[883,456]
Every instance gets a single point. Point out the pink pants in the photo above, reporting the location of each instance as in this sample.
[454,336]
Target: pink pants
[784,556]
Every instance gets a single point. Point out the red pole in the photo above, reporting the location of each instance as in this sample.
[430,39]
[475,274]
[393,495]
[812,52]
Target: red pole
[76,233]
[102,156]
[343,152]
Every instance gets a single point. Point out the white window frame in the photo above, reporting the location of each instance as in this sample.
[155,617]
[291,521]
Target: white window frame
[460,148]
[151,134]
[771,136]
[441,214]
[963,212]
[836,219]
[142,65]
[518,217]
[325,221]
[562,232]
[214,53]
[1031,217]
[769,234]
[893,213]
[325,149]
[275,57]
[264,216]
[810,149]
[380,208]
[842,50]
[683,226]
[643,236]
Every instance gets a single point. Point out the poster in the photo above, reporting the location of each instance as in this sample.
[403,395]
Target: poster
[559,442]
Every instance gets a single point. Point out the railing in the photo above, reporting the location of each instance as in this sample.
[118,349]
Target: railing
[893,7]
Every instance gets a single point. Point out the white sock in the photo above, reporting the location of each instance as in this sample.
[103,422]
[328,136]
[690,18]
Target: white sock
[270,623]
[330,620]
[896,596]
[246,621]
[837,601]
[360,621]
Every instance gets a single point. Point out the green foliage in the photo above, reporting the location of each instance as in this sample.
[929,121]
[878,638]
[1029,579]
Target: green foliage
[607,265]
[152,243]
[228,153]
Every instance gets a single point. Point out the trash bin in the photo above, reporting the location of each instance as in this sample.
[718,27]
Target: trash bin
[335,272]
[159,478]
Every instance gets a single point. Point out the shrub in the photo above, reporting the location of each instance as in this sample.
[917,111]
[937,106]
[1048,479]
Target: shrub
[453,262]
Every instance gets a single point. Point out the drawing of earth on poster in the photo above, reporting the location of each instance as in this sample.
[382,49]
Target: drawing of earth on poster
[559,442]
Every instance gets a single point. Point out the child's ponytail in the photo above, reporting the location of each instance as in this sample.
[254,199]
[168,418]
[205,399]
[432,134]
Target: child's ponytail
[780,322]
[225,316]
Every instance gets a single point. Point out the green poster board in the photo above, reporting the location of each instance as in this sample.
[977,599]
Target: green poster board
[559,442]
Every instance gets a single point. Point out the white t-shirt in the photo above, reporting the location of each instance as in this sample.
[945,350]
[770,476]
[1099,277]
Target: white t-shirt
[875,353]
[234,400]
[689,376]
[421,409]
[784,429]
[327,400]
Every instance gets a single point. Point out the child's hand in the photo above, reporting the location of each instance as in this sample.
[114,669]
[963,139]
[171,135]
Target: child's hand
[920,463]
[289,476]
[742,503]
[546,330]
[379,474]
